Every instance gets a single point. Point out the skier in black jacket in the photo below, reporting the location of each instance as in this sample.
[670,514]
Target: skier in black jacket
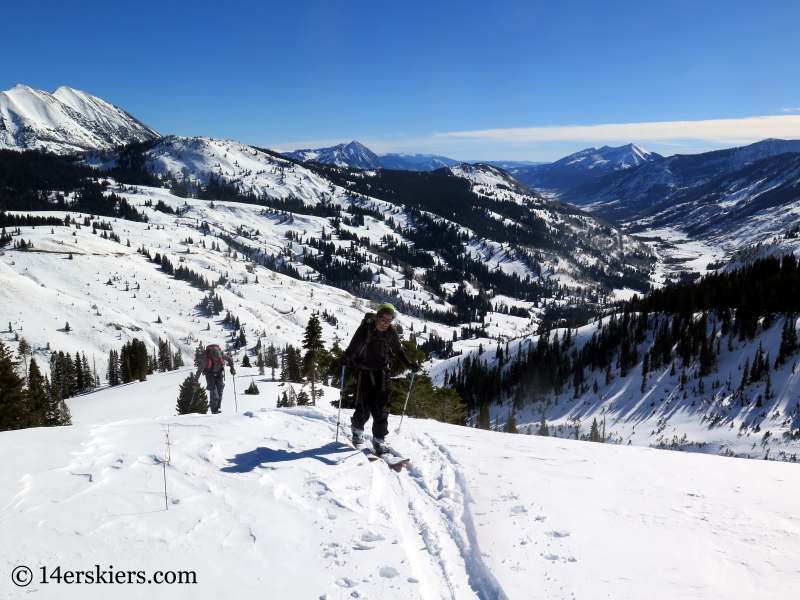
[369,352]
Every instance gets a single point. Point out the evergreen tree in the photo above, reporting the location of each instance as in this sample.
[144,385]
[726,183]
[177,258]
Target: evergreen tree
[745,374]
[789,342]
[484,418]
[252,389]
[314,347]
[199,354]
[511,424]
[543,427]
[189,400]
[177,360]
[15,411]
[24,349]
[136,363]
[594,432]
[164,359]
[113,373]
[645,369]
[246,361]
[37,392]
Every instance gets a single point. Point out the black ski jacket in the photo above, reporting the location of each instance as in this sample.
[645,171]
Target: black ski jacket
[369,348]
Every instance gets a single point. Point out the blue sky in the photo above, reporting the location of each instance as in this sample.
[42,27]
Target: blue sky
[489,80]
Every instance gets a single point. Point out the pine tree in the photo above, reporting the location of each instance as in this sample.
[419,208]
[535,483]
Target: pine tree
[745,374]
[484,418]
[15,411]
[199,354]
[314,346]
[37,392]
[252,389]
[511,424]
[24,349]
[246,361]
[594,432]
[164,359]
[645,369]
[191,401]
[543,427]
[768,387]
[113,372]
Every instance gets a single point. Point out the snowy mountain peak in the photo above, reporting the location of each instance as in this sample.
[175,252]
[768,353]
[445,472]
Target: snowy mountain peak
[583,166]
[68,120]
[355,155]
[608,158]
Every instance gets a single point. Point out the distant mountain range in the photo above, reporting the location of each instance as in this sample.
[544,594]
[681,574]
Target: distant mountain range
[727,198]
[582,167]
[357,156]
[733,193]
[65,121]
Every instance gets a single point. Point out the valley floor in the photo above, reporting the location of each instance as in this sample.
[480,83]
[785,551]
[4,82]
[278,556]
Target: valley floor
[263,504]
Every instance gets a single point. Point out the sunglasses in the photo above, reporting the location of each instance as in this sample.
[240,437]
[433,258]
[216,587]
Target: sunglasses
[385,320]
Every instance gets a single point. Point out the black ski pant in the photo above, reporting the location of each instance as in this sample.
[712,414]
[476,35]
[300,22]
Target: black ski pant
[215,384]
[372,399]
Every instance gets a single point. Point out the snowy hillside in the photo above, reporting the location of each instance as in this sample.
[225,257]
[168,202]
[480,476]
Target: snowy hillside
[264,504]
[583,246]
[582,167]
[714,414]
[353,154]
[65,121]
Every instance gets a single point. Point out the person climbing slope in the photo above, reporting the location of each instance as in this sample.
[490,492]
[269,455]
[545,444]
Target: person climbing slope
[369,352]
[214,369]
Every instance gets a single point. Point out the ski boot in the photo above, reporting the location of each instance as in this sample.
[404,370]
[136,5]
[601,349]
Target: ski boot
[358,437]
[381,447]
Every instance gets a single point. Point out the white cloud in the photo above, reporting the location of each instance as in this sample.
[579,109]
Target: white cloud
[552,143]
[714,131]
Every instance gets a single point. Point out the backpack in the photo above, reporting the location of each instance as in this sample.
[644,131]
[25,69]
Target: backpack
[210,361]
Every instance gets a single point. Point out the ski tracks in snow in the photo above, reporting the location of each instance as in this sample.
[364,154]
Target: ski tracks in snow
[450,562]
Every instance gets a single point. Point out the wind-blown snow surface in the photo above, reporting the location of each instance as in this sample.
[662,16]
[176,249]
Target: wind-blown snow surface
[264,504]
[65,121]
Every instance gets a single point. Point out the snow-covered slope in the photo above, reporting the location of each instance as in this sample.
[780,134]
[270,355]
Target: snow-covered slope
[67,120]
[264,504]
[582,167]
[353,154]
[195,161]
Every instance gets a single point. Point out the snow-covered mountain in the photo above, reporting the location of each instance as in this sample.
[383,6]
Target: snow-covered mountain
[582,167]
[353,154]
[707,205]
[579,243]
[65,121]
[416,162]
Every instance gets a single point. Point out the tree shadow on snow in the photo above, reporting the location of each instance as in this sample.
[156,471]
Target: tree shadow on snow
[249,461]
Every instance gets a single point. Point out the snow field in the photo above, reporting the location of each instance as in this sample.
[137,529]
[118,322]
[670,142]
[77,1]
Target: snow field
[263,504]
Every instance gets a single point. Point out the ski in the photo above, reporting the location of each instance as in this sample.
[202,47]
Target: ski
[395,462]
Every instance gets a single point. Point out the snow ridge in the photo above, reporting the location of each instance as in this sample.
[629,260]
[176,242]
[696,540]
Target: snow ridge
[65,121]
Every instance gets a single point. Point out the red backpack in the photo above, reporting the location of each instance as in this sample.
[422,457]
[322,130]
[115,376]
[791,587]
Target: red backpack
[210,361]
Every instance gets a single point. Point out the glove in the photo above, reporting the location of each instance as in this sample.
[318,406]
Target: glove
[196,386]
[233,372]
[415,367]
[344,361]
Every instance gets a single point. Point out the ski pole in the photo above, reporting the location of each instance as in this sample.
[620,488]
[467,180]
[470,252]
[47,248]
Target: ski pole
[235,401]
[406,404]
[339,414]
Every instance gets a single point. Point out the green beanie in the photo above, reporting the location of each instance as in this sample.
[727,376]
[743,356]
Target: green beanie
[384,308]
